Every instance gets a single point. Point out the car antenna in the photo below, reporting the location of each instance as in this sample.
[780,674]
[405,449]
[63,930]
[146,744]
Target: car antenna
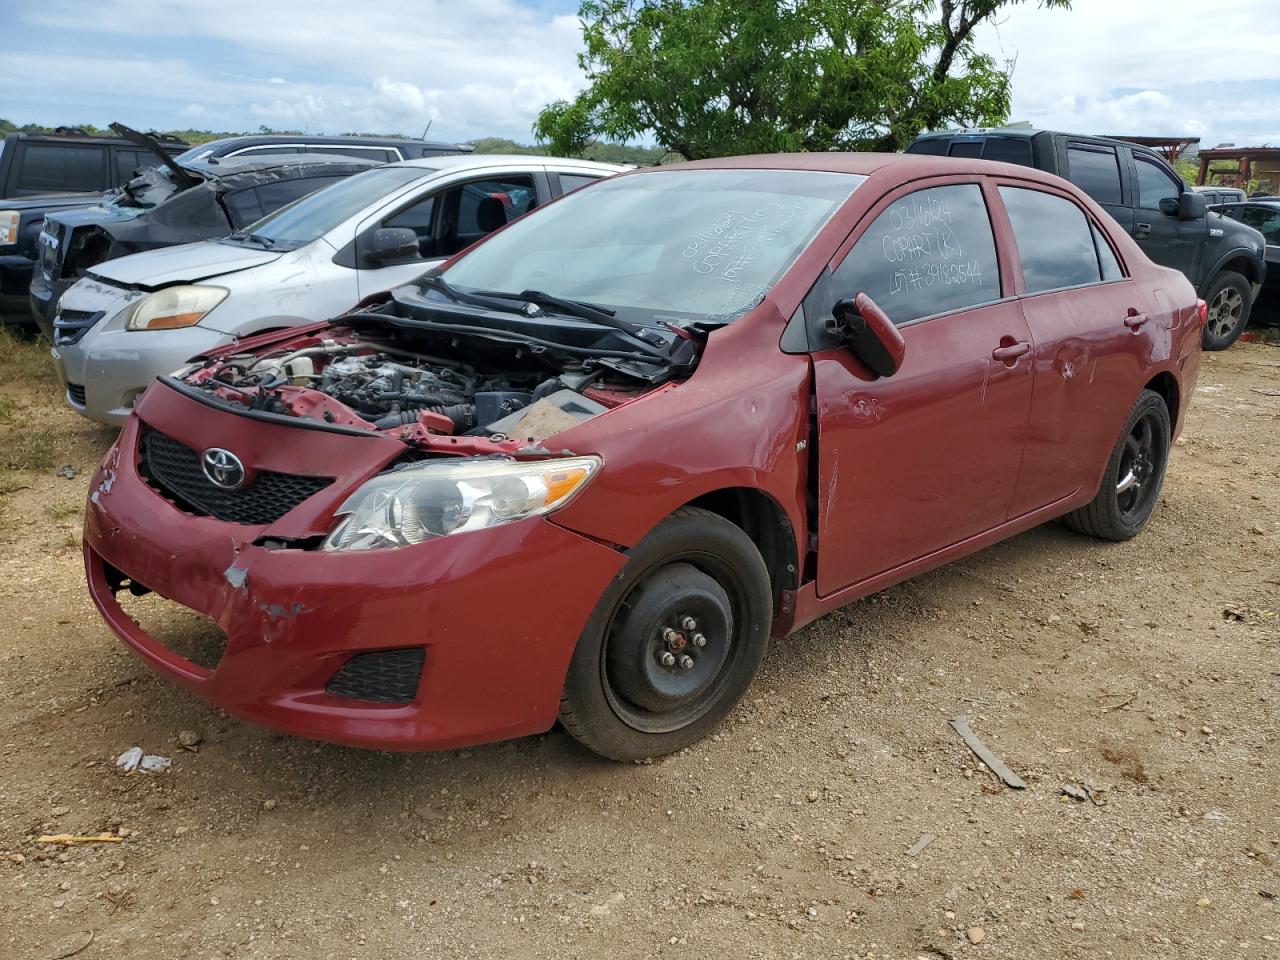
[425,129]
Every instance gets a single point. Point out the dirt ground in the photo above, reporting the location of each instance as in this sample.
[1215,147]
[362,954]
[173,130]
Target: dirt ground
[1148,672]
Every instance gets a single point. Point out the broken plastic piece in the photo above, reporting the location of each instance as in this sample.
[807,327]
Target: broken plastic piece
[134,760]
[68,839]
[961,726]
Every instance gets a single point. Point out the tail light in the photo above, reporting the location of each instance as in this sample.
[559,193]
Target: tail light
[1202,313]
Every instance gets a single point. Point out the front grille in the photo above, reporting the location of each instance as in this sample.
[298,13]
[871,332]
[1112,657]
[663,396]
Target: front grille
[174,470]
[70,325]
[75,393]
[388,676]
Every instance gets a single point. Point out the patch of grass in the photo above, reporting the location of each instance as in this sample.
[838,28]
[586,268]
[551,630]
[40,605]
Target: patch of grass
[29,449]
[24,359]
[65,511]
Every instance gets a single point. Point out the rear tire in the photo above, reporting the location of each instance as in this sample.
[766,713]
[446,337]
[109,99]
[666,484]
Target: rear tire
[1230,298]
[1134,475]
[630,693]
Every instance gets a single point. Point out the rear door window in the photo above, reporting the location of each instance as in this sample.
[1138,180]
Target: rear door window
[930,252]
[1008,150]
[1055,240]
[1154,184]
[1107,262]
[129,161]
[65,168]
[1095,170]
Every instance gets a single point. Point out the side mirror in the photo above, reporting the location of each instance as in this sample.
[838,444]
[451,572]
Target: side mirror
[1189,206]
[869,334]
[390,245]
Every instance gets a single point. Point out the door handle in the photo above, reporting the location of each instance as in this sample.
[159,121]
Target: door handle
[1134,319]
[1007,353]
[1142,231]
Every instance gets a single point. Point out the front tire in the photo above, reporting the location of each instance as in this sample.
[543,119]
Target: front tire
[674,642]
[1134,475]
[1229,298]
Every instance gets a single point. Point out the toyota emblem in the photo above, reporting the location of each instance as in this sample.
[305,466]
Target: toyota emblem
[223,468]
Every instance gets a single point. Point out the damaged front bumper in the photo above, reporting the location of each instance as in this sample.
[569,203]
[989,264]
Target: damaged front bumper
[490,618]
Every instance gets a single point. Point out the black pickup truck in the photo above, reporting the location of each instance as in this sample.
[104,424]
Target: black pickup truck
[41,173]
[1170,221]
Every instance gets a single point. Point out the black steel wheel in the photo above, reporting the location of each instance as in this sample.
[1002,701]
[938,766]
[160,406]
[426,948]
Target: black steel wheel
[1135,473]
[1229,298]
[673,643]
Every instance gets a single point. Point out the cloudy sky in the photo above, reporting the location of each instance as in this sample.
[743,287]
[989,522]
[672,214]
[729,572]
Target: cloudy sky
[472,68]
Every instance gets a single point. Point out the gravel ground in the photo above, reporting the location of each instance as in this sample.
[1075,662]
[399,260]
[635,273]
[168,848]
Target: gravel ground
[1147,673]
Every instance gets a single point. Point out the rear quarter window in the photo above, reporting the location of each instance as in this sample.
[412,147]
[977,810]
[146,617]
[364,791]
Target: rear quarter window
[929,252]
[1055,240]
[52,168]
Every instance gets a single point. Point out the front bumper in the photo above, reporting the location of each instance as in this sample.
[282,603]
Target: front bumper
[105,372]
[497,612]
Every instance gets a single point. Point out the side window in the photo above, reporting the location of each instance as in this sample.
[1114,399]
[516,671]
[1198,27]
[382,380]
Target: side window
[55,167]
[1107,261]
[1055,240]
[1008,150]
[377,154]
[570,182]
[1266,221]
[268,151]
[476,209]
[127,161]
[930,252]
[1154,184]
[1095,170]
[243,207]
[420,218]
[273,196]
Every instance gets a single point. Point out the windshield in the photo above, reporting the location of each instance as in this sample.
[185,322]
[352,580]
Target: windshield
[700,244]
[316,214]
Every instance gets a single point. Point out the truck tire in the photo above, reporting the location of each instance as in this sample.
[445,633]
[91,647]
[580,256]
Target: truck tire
[1229,297]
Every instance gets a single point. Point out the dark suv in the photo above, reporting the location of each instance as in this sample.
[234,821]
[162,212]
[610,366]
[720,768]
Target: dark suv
[40,173]
[1169,220]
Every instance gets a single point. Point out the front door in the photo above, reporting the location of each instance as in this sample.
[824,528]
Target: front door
[1164,238]
[913,463]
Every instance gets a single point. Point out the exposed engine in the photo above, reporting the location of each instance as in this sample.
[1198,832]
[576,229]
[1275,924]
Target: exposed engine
[389,388]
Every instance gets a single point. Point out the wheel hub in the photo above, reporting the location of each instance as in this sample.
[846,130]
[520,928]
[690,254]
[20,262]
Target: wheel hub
[672,640]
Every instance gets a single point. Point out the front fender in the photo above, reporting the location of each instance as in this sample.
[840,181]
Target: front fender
[1237,251]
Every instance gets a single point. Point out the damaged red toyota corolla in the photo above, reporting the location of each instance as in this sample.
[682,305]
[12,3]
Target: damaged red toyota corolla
[588,468]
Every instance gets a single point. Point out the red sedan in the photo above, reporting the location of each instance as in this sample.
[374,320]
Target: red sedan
[587,469]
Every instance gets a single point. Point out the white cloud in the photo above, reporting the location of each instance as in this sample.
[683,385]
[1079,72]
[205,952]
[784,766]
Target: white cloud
[1158,67]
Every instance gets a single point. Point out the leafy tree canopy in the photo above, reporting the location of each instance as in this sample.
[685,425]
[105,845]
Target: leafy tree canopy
[720,77]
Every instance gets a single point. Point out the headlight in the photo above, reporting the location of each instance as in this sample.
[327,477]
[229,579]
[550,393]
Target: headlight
[174,307]
[435,499]
[9,227]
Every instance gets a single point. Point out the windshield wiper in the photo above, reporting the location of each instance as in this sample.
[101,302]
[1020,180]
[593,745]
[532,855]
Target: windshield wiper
[582,310]
[257,238]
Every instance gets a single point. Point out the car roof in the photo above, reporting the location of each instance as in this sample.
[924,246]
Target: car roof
[911,165]
[465,160]
[168,141]
[226,166]
[268,139]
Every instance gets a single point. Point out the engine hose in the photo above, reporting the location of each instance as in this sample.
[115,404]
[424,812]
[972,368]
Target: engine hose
[463,416]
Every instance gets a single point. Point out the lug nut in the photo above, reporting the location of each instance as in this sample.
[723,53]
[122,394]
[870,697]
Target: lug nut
[668,659]
[699,640]
[686,662]
[669,635]
[688,623]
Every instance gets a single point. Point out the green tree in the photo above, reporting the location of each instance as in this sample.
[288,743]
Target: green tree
[719,77]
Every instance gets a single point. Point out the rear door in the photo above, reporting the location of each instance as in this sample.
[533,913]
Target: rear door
[1097,170]
[1094,331]
[913,463]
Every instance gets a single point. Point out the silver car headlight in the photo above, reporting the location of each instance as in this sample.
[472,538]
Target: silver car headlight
[173,307]
[443,497]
